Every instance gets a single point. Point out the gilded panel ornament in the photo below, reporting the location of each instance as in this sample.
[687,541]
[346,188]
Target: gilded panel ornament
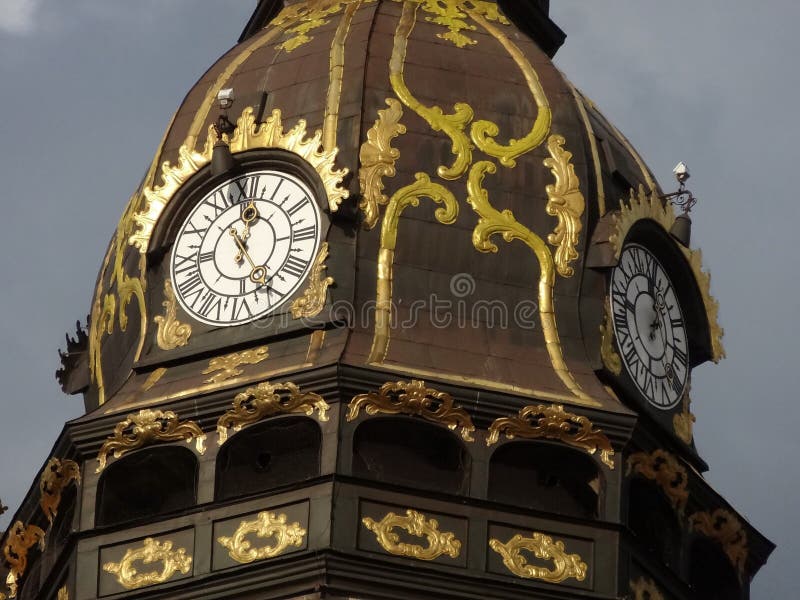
[664,469]
[228,366]
[565,201]
[643,206]
[152,551]
[149,427]
[414,398]
[448,13]
[645,589]
[377,159]
[565,566]
[416,524]
[57,475]
[311,303]
[20,539]
[683,422]
[171,333]
[554,423]
[608,353]
[247,136]
[266,400]
[265,525]
[724,528]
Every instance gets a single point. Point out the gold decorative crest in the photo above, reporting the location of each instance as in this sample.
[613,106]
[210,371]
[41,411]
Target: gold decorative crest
[227,366]
[554,423]
[149,427]
[21,538]
[645,589]
[268,399]
[311,303]
[63,594]
[642,206]
[664,469]
[608,353]
[265,525]
[152,551]
[566,202]
[377,159]
[565,566]
[247,136]
[417,525]
[724,528]
[448,13]
[171,333]
[414,398]
[57,475]
[683,422]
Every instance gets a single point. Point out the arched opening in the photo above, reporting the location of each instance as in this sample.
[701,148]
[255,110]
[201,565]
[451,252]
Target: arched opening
[653,522]
[412,453]
[711,574]
[147,484]
[268,455]
[545,477]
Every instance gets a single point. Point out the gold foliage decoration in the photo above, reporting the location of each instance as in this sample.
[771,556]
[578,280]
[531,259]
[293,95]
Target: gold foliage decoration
[448,13]
[171,333]
[265,525]
[268,399]
[305,17]
[643,206]
[664,469]
[565,566]
[63,594]
[228,366]
[724,528]
[645,589]
[414,398]
[608,353]
[21,538]
[566,202]
[554,423]
[152,551]
[416,524]
[57,475]
[377,159]
[149,427]
[311,303]
[248,135]
[683,422]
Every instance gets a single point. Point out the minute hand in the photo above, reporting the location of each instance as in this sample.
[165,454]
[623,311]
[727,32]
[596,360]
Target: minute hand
[258,273]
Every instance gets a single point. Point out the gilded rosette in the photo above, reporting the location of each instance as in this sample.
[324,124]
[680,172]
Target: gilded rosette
[266,525]
[152,551]
[664,469]
[416,524]
[565,566]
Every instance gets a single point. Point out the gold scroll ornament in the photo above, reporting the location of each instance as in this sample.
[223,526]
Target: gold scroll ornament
[268,399]
[554,423]
[414,398]
[149,427]
[565,566]
[227,366]
[664,469]
[448,13]
[56,476]
[21,538]
[608,354]
[725,529]
[152,551]
[171,333]
[265,525]
[311,303]
[416,524]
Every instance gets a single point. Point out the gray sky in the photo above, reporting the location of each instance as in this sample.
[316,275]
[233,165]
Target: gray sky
[89,85]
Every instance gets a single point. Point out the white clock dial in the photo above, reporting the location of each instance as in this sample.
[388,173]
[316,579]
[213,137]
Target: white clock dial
[649,327]
[246,247]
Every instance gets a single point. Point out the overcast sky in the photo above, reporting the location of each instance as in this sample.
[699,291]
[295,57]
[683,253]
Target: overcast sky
[89,85]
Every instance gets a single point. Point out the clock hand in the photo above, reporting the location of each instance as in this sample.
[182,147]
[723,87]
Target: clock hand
[258,274]
[249,214]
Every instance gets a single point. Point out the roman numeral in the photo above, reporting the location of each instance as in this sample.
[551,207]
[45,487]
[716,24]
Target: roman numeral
[240,305]
[210,302]
[191,282]
[680,356]
[306,233]
[247,187]
[219,202]
[677,385]
[205,257]
[630,355]
[295,266]
[296,207]
[620,322]
[184,263]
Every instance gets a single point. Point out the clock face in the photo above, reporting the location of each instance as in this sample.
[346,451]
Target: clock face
[246,247]
[649,327]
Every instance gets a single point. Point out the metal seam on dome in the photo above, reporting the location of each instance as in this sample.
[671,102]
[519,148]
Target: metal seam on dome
[598,172]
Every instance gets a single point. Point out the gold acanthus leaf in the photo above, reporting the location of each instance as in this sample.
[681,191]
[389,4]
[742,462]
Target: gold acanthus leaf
[306,17]
[724,528]
[417,525]
[171,333]
[311,303]
[664,469]
[21,538]
[149,427]
[566,202]
[683,422]
[554,423]
[57,475]
[227,366]
[565,566]
[265,525]
[247,136]
[63,594]
[608,353]
[645,589]
[447,13]
[377,159]
[152,551]
[266,400]
[414,398]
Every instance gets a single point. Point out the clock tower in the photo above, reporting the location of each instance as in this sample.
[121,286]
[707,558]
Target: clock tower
[395,313]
